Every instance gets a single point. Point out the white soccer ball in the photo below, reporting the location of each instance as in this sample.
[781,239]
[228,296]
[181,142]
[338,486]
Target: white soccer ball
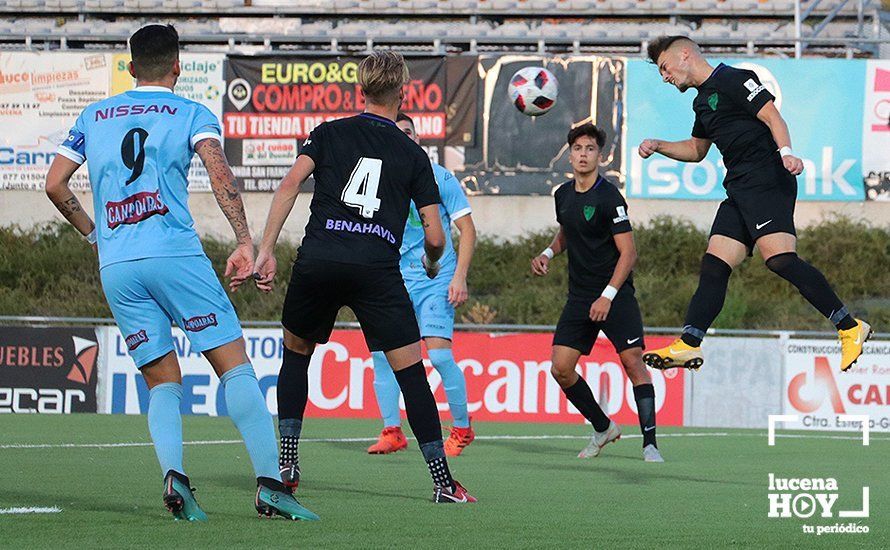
[533,90]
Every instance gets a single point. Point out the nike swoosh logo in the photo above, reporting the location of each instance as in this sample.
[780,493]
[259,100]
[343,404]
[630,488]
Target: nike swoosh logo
[762,225]
[675,351]
[634,340]
[858,339]
[649,429]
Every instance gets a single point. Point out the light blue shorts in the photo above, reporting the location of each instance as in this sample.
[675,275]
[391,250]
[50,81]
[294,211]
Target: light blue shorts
[435,316]
[146,295]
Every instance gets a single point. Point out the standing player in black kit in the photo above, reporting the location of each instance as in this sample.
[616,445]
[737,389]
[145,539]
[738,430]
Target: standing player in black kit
[366,173]
[735,111]
[595,230]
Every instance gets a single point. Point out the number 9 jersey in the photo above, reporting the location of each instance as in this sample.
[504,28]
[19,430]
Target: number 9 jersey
[139,145]
[366,173]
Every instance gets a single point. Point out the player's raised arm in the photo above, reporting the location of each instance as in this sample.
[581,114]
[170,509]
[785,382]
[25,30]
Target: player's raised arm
[239,265]
[282,204]
[541,262]
[689,150]
[769,115]
[59,192]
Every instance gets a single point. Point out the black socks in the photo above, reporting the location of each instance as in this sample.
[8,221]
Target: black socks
[644,394]
[423,417]
[813,286]
[708,299]
[581,397]
[293,392]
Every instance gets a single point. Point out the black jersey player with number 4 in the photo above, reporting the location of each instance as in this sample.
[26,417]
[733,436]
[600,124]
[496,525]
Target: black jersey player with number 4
[735,111]
[595,230]
[366,172]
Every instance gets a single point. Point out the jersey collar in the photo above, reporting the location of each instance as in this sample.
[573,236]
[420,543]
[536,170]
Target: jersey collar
[599,179]
[378,118]
[716,70]
[152,89]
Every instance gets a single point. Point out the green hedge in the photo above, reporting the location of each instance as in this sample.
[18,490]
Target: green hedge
[51,271]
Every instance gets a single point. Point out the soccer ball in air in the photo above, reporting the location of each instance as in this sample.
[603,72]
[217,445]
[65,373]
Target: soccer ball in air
[533,90]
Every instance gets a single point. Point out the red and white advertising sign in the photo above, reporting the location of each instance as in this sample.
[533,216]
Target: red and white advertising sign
[818,392]
[508,379]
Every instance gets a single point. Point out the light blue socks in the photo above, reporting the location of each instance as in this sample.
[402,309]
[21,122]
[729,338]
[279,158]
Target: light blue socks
[248,412]
[387,390]
[165,425]
[455,385]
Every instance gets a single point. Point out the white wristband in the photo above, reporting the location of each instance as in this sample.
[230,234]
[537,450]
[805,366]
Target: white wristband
[548,252]
[609,293]
[785,151]
[92,237]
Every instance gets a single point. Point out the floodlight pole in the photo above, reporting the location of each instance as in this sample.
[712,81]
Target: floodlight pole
[797,34]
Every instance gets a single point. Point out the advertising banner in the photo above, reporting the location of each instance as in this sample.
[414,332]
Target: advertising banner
[876,130]
[508,379]
[48,370]
[273,103]
[41,95]
[515,154]
[819,393]
[201,80]
[825,129]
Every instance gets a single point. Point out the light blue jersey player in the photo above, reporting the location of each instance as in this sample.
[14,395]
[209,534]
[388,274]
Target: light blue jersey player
[153,269]
[434,302]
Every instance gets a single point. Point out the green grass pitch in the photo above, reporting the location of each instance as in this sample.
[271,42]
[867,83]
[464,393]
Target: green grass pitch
[533,492]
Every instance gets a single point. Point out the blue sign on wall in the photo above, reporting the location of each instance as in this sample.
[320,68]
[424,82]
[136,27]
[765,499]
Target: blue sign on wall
[820,99]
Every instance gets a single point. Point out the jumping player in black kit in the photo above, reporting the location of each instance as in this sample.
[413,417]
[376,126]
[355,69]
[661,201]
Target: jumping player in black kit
[736,112]
[595,230]
[366,173]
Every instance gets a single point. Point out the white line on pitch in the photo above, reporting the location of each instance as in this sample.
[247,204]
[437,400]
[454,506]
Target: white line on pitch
[29,510]
[371,439]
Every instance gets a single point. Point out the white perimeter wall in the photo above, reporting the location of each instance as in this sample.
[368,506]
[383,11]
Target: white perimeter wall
[503,217]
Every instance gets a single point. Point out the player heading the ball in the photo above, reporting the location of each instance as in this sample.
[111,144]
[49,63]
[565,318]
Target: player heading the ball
[734,110]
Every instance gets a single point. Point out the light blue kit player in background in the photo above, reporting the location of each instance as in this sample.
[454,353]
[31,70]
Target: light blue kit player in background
[434,302]
[139,145]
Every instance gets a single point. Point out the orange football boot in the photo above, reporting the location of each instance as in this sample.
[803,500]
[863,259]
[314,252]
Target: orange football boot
[391,439]
[459,438]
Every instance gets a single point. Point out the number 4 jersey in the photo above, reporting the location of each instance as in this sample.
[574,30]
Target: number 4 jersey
[366,173]
[139,145]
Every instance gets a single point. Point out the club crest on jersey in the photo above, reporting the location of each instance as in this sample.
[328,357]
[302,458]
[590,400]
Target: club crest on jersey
[199,323]
[134,209]
[135,340]
[589,211]
[712,101]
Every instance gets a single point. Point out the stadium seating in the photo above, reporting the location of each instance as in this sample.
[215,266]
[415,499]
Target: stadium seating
[496,23]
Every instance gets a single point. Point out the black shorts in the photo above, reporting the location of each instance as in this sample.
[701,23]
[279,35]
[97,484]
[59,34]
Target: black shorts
[377,296]
[760,202]
[623,325]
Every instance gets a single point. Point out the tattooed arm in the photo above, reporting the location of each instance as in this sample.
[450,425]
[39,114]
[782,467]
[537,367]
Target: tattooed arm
[433,238]
[60,172]
[222,181]
[239,266]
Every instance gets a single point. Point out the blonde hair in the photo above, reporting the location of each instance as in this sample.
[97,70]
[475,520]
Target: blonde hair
[382,75]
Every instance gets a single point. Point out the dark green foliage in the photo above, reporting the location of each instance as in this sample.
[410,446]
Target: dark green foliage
[52,271]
